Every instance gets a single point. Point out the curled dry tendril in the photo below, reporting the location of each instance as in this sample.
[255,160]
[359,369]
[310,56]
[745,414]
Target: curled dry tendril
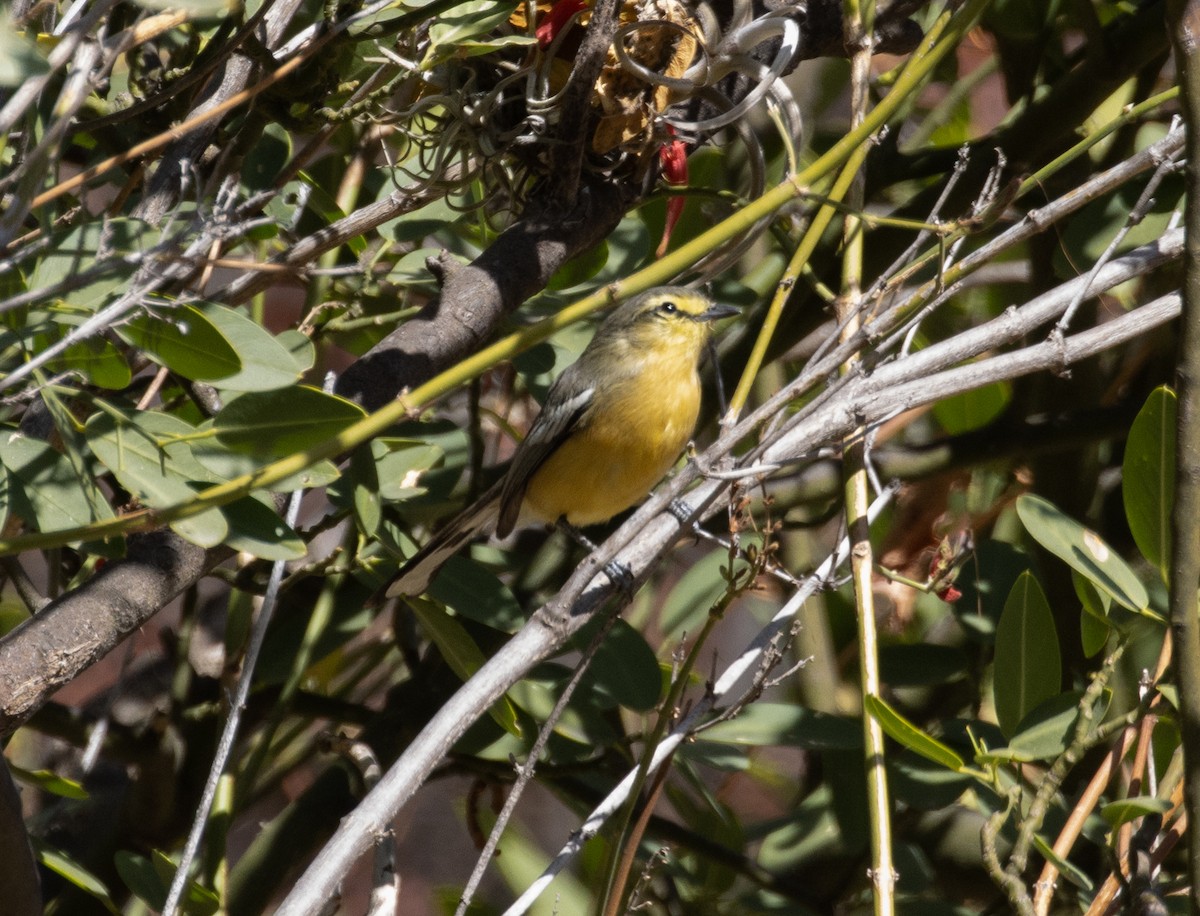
[478,126]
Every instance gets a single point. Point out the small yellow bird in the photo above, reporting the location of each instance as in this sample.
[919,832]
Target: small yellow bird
[613,424]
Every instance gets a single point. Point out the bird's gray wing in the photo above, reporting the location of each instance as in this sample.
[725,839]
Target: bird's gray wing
[566,410]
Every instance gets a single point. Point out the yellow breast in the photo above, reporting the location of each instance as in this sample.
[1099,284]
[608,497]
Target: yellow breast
[636,430]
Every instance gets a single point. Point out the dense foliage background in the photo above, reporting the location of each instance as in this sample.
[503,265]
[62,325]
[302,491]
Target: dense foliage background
[281,285]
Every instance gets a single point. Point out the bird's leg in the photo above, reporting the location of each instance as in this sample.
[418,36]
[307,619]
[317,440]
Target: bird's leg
[682,511]
[618,573]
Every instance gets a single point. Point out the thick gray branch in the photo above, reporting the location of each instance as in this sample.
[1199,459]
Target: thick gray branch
[476,297]
[71,633]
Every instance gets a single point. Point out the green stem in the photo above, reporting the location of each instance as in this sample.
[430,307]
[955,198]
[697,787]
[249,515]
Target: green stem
[859,18]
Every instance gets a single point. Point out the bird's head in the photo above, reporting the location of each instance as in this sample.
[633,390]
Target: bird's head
[670,316]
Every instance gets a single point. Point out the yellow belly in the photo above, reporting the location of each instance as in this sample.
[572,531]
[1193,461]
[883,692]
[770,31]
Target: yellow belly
[615,460]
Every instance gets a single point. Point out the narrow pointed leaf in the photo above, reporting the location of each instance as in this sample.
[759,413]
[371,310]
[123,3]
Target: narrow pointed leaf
[1028,664]
[1148,477]
[901,730]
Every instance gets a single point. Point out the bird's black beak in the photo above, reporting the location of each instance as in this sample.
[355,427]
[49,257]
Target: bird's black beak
[713,312]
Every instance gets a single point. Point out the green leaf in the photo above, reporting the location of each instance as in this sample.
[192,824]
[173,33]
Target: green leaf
[913,738]
[973,409]
[416,225]
[49,781]
[63,865]
[361,477]
[148,459]
[284,421]
[150,881]
[582,723]
[1130,809]
[1047,730]
[400,464]
[580,269]
[1066,867]
[224,464]
[186,343]
[6,496]
[266,363]
[1093,634]
[476,594]
[1028,667]
[90,246]
[1083,550]
[256,528]
[300,346]
[624,667]
[688,603]
[47,492]
[785,724]
[468,21]
[1148,477]
[269,154]
[97,360]
[461,654]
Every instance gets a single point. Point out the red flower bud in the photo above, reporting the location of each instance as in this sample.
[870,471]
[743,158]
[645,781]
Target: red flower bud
[673,158]
[554,20]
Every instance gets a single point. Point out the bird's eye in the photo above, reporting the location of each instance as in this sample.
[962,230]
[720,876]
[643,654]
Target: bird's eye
[668,308]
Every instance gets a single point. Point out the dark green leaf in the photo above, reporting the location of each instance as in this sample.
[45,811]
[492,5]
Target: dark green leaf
[185,342]
[269,154]
[223,464]
[469,20]
[400,464]
[972,409]
[1148,477]
[151,459]
[88,249]
[581,723]
[433,218]
[1028,666]
[624,667]
[256,528]
[301,347]
[1069,870]
[788,725]
[98,361]
[693,595]
[579,269]
[151,880]
[358,488]
[1047,730]
[284,421]
[471,591]
[921,664]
